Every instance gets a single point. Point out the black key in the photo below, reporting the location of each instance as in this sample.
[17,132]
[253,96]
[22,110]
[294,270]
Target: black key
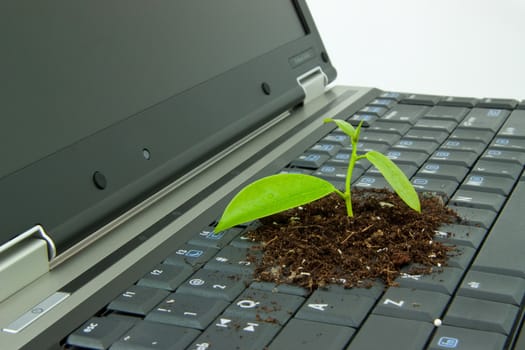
[438,186]
[98,333]
[187,310]
[390,127]
[476,217]
[214,284]
[503,169]
[467,102]
[427,135]
[463,145]
[234,260]
[416,145]
[497,103]
[433,124]
[481,314]
[460,257]
[447,337]
[504,155]
[310,160]
[514,126]
[149,335]
[325,148]
[372,181]
[443,280]
[477,199]
[495,287]
[211,239]
[309,335]
[447,113]
[405,114]
[381,102]
[472,135]
[488,183]
[382,332]
[381,137]
[336,308]
[280,288]
[454,157]
[469,236]
[502,251]
[192,255]
[407,157]
[234,333]
[443,171]
[365,119]
[138,300]
[255,304]
[413,304]
[409,169]
[337,138]
[295,171]
[378,111]
[166,277]
[484,119]
[508,143]
[330,172]
[396,96]
[419,99]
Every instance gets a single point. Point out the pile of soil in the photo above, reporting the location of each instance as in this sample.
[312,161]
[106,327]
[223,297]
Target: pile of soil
[317,244]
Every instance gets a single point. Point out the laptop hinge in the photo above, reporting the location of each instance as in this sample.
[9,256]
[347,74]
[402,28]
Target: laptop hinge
[313,83]
[25,258]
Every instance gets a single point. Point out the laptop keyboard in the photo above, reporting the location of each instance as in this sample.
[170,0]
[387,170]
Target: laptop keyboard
[471,152]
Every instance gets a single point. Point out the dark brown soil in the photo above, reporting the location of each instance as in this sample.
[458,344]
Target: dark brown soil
[317,244]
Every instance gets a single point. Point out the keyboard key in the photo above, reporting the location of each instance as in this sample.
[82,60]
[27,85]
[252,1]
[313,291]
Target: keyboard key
[372,181]
[234,260]
[378,111]
[337,138]
[325,148]
[138,300]
[508,143]
[442,112]
[409,169]
[365,119]
[190,255]
[502,251]
[211,239]
[433,124]
[382,102]
[382,332]
[503,169]
[234,333]
[336,308]
[214,284]
[488,183]
[443,171]
[460,257]
[472,135]
[469,236]
[427,147]
[438,186]
[495,287]
[419,99]
[413,304]
[497,103]
[166,277]
[477,199]
[484,119]
[407,157]
[396,96]
[187,310]
[514,126]
[149,335]
[476,217]
[462,145]
[454,157]
[390,127]
[443,280]
[380,137]
[447,337]
[481,314]
[98,333]
[309,335]
[427,135]
[280,288]
[467,102]
[504,155]
[405,114]
[310,160]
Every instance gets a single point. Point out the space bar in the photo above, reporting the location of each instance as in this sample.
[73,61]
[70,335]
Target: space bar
[504,247]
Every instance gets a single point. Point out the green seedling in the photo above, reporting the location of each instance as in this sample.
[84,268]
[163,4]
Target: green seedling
[277,193]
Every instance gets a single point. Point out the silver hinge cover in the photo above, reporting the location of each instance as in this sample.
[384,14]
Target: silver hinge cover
[313,83]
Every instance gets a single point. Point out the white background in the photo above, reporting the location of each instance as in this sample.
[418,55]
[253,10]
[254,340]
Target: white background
[472,48]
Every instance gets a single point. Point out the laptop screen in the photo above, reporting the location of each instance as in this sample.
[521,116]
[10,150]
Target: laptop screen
[103,103]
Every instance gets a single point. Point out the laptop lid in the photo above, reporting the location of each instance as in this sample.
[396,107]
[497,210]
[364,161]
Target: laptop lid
[104,103]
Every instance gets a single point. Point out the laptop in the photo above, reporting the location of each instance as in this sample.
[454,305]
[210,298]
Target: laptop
[128,126]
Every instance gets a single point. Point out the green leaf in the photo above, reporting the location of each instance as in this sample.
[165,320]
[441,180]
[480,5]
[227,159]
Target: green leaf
[343,125]
[396,178]
[271,195]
